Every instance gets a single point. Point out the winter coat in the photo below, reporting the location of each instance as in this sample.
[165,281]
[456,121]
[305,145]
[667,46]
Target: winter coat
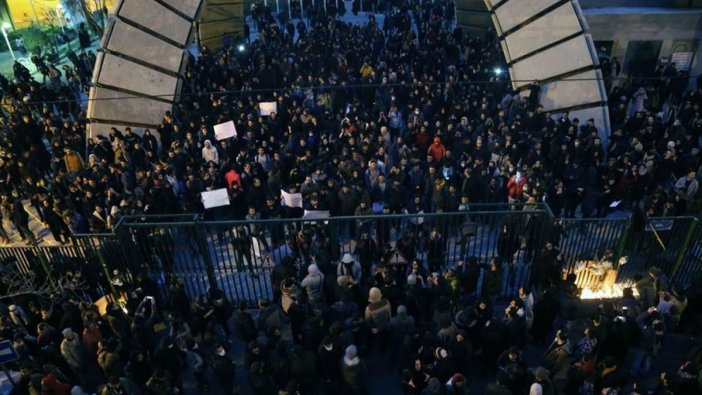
[379,314]
[313,283]
[303,369]
[72,352]
[492,283]
[354,372]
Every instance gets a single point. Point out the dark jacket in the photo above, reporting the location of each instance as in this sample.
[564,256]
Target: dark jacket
[303,369]
[354,375]
[492,283]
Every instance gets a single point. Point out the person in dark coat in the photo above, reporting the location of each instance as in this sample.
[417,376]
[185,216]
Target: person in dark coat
[278,362]
[303,370]
[221,308]
[223,368]
[254,353]
[244,324]
[83,37]
[58,228]
[259,380]
[353,372]
[280,272]
[20,218]
[545,311]
[491,344]
[508,240]
[328,355]
[511,370]
[442,368]
[492,281]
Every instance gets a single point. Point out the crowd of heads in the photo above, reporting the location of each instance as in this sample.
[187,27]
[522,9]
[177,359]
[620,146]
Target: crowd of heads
[408,114]
[345,327]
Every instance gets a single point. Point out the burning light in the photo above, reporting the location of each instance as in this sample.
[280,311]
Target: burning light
[613,292]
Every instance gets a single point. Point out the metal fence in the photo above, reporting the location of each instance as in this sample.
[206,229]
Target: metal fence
[238,256]
[49,268]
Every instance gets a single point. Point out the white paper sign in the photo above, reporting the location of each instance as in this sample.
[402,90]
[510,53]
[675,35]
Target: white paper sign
[496,158]
[225,130]
[315,214]
[291,199]
[265,108]
[682,60]
[216,198]
[256,246]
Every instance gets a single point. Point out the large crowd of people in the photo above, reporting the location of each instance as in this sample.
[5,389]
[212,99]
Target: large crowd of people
[338,330]
[403,116]
[408,116]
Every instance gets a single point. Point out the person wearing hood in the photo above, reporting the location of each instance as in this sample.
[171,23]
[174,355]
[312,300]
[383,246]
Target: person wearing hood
[378,316]
[313,284]
[350,269]
[353,372]
[209,153]
[72,352]
[402,322]
[113,218]
[457,385]
[437,150]
[512,370]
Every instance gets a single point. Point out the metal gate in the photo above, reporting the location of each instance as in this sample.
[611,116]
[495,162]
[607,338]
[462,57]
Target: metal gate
[239,256]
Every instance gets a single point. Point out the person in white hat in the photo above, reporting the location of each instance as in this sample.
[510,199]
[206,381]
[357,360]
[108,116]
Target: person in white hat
[18,316]
[349,268]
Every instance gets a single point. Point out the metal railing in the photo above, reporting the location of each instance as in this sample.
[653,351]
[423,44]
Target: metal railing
[238,256]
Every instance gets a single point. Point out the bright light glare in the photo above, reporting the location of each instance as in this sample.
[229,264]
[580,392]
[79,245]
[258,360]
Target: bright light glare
[606,293]
[497,71]
[6,26]
[242,48]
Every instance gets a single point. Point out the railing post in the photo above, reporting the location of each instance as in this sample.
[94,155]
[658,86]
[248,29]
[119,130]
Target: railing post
[44,262]
[686,245]
[105,269]
[622,244]
[131,250]
[201,239]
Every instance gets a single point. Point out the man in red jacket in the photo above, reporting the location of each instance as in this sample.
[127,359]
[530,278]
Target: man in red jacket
[515,187]
[437,149]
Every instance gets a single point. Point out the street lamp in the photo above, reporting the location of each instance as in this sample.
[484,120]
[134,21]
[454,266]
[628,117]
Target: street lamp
[5,26]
